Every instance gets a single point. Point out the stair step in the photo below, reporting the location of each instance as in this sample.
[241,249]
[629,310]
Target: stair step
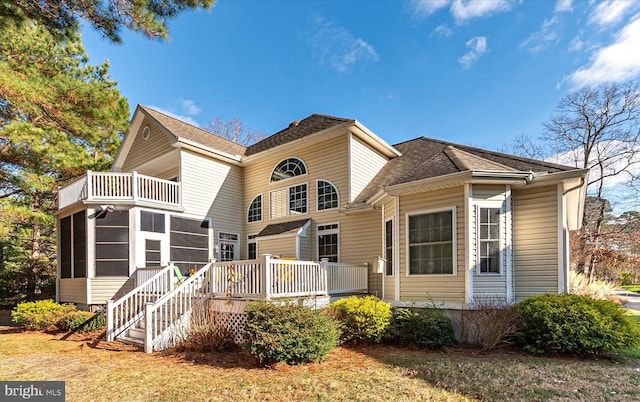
[137,333]
[131,341]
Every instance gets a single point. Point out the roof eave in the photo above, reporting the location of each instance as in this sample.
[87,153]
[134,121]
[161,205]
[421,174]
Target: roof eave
[203,149]
[374,140]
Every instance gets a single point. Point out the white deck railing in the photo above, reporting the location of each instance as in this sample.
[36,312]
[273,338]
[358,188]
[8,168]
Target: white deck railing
[347,278]
[114,187]
[127,310]
[268,278]
[171,309]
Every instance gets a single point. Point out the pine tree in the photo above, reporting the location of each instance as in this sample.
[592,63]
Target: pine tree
[59,116]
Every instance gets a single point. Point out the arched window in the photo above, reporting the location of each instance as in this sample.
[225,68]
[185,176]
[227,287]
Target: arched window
[255,210]
[290,167]
[327,195]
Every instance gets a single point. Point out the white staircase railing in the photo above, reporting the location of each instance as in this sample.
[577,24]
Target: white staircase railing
[171,312]
[126,311]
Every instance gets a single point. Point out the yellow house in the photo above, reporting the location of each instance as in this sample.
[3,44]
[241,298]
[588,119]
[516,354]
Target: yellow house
[435,222]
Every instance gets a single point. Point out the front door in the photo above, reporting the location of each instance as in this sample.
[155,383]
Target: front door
[153,240]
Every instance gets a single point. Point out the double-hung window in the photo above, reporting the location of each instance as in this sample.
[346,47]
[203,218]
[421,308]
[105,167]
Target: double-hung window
[431,242]
[489,240]
[328,242]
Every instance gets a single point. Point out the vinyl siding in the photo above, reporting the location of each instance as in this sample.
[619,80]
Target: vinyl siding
[73,290]
[306,247]
[365,164]
[103,289]
[214,189]
[488,285]
[360,233]
[283,247]
[535,241]
[142,151]
[427,288]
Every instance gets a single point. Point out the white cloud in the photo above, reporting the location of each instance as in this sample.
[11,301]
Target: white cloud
[576,44]
[609,12]
[563,6]
[338,48]
[185,118]
[477,47]
[424,8]
[617,62]
[443,31]
[461,10]
[190,108]
[539,40]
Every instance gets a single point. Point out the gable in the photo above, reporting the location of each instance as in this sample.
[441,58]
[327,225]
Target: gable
[142,150]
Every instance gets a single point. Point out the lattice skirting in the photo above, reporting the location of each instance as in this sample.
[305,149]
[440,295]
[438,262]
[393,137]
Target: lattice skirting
[228,315]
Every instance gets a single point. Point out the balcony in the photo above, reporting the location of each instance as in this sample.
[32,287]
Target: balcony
[121,188]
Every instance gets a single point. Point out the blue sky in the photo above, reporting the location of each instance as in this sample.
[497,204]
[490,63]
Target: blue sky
[471,72]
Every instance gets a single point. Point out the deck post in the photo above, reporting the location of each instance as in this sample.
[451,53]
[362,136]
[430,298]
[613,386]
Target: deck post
[324,274]
[266,276]
[148,327]
[134,185]
[89,185]
[110,320]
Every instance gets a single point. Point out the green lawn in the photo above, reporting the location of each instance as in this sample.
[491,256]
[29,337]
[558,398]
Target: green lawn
[632,288]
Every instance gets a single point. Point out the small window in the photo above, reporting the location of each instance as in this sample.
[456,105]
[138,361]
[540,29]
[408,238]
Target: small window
[388,247]
[298,199]
[252,247]
[290,167]
[146,132]
[327,196]
[328,242]
[255,210]
[152,222]
[489,240]
[431,243]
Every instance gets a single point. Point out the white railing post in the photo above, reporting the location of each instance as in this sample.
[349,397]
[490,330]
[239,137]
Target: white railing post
[89,185]
[110,328]
[324,274]
[148,327]
[266,276]
[134,185]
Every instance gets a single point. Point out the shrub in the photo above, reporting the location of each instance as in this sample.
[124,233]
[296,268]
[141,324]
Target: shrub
[82,321]
[364,319]
[209,332]
[580,284]
[288,333]
[40,314]
[427,328]
[489,322]
[576,325]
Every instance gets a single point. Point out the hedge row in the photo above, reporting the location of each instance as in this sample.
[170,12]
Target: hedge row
[45,314]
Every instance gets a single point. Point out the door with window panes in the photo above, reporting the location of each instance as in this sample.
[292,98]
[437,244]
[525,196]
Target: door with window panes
[228,246]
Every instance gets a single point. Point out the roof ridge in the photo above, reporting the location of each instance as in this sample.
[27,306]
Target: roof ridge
[449,151]
[147,108]
[454,151]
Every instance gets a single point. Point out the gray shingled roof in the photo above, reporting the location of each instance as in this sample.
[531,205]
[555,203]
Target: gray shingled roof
[281,228]
[187,131]
[424,158]
[296,130]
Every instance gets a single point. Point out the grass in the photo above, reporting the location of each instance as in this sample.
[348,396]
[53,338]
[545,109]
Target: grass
[96,370]
[633,352]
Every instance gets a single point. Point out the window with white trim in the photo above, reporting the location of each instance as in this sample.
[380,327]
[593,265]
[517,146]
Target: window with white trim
[289,201]
[388,247]
[327,195]
[431,243]
[255,210]
[252,247]
[228,244]
[290,167]
[328,236]
[489,240]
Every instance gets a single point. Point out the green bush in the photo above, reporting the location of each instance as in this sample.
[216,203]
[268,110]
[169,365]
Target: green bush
[288,333]
[576,325]
[427,328]
[82,321]
[40,314]
[364,319]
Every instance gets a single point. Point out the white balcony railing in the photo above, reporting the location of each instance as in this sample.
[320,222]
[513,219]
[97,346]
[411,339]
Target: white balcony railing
[120,187]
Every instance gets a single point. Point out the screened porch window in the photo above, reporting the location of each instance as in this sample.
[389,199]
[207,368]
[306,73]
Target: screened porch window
[431,250]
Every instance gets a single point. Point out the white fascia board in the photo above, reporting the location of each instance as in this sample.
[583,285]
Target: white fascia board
[208,151]
[127,141]
[557,177]
[369,137]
